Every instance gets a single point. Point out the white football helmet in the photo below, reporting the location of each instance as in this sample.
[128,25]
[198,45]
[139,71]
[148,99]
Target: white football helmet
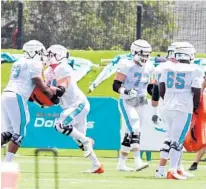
[171,49]
[34,49]
[184,52]
[56,54]
[141,51]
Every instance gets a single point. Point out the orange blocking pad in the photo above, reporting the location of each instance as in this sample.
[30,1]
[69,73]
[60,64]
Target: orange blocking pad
[41,98]
[196,137]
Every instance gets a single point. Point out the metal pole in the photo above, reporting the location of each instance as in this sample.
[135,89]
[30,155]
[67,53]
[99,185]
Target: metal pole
[139,21]
[56,176]
[20,24]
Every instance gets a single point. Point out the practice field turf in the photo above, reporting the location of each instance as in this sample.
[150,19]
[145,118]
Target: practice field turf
[70,175]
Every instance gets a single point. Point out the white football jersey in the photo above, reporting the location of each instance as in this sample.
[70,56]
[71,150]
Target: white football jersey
[158,71]
[137,77]
[21,75]
[73,94]
[179,79]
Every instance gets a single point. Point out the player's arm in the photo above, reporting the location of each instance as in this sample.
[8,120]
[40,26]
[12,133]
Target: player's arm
[196,88]
[36,69]
[204,84]
[196,98]
[162,89]
[62,84]
[162,81]
[63,80]
[120,77]
[38,81]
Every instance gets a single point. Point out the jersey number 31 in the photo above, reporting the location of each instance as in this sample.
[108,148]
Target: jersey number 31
[175,79]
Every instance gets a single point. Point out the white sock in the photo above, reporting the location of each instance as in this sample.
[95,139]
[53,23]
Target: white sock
[137,155]
[93,158]
[162,169]
[179,166]
[122,158]
[78,136]
[9,157]
[174,158]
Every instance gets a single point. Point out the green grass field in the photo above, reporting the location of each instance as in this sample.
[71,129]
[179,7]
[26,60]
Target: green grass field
[70,175]
[70,168]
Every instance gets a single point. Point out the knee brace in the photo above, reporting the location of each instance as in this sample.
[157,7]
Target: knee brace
[79,143]
[66,130]
[135,140]
[125,145]
[164,152]
[6,136]
[17,139]
[176,146]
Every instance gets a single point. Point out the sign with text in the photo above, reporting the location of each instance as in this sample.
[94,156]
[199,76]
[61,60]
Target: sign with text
[103,126]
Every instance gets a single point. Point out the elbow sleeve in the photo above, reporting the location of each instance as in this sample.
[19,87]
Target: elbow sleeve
[116,85]
[155,93]
[149,89]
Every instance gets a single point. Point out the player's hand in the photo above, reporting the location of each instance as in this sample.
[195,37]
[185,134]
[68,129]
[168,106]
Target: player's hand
[132,93]
[195,111]
[60,91]
[55,99]
[155,119]
[31,99]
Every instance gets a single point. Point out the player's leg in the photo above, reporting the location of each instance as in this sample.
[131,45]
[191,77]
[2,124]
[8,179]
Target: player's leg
[199,155]
[135,138]
[164,155]
[164,151]
[125,148]
[80,123]
[19,117]
[180,168]
[6,128]
[97,167]
[179,129]
[126,131]
[65,125]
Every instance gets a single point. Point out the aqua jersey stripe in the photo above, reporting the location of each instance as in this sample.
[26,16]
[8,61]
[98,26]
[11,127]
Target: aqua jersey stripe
[22,114]
[185,130]
[73,114]
[125,115]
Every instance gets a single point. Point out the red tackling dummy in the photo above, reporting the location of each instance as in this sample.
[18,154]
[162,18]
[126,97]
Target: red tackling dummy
[39,97]
[196,137]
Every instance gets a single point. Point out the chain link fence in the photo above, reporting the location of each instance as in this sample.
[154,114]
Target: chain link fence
[105,25]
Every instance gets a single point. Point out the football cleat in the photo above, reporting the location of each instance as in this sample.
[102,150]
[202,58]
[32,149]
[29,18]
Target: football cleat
[160,175]
[123,167]
[174,175]
[193,167]
[141,165]
[185,173]
[95,170]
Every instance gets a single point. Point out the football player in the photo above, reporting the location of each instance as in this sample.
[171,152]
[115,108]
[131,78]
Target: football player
[180,87]
[131,80]
[26,73]
[73,119]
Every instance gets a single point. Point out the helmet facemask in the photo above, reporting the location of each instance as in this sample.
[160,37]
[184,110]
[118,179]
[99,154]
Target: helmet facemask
[55,58]
[141,58]
[34,49]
